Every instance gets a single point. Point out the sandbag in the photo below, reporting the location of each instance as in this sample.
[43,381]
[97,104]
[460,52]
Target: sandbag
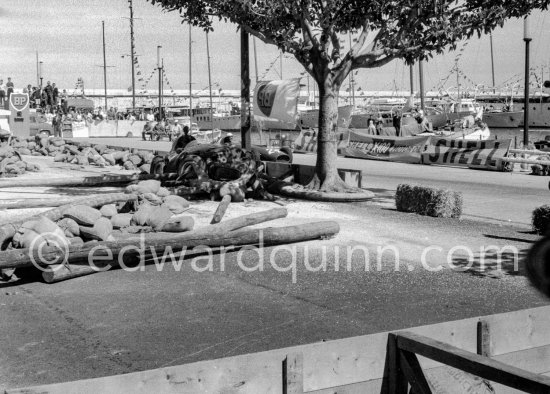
[82,214]
[60,157]
[179,224]
[148,186]
[25,151]
[176,204]
[109,158]
[152,198]
[121,220]
[108,210]
[163,192]
[69,226]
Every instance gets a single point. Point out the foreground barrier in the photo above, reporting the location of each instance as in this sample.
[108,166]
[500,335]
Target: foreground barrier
[364,364]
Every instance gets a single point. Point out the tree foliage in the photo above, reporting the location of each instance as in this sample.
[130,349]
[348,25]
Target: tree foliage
[387,29]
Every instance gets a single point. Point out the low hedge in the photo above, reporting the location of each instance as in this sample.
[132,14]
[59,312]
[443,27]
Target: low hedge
[428,201]
[541,219]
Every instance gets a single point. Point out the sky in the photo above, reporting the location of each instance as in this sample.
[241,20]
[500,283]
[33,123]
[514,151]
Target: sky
[67,34]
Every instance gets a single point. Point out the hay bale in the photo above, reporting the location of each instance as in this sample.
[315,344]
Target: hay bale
[541,219]
[428,201]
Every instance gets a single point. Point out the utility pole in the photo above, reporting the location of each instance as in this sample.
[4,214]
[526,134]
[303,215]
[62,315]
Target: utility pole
[210,86]
[37,70]
[159,68]
[245,91]
[104,65]
[527,38]
[458,88]
[40,68]
[132,53]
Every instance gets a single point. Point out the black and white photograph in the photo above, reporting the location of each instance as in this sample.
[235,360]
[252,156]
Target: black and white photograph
[275,196]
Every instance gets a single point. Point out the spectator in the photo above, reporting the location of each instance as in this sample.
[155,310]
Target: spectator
[55,94]
[57,122]
[49,93]
[2,93]
[9,87]
[181,142]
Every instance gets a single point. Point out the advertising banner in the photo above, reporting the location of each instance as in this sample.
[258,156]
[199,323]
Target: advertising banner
[399,149]
[277,101]
[307,140]
[486,154]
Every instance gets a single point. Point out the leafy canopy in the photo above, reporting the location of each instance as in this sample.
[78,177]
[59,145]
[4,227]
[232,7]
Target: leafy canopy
[387,29]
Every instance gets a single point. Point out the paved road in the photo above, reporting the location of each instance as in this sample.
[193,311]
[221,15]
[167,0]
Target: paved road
[505,197]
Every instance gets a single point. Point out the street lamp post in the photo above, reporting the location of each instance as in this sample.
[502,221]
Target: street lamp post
[527,38]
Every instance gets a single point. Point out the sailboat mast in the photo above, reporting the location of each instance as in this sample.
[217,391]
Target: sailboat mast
[492,61]
[132,54]
[421,72]
[351,82]
[190,92]
[210,86]
[104,65]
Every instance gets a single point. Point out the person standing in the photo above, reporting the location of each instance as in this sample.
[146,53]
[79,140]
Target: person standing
[49,93]
[57,122]
[2,93]
[55,94]
[9,87]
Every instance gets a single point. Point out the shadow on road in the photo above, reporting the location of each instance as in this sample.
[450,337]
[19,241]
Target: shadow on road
[493,264]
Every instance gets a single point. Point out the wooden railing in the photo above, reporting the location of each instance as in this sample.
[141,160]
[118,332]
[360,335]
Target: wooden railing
[404,370]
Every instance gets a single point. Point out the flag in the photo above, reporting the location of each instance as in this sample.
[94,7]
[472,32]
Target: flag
[139,73]
[277,100]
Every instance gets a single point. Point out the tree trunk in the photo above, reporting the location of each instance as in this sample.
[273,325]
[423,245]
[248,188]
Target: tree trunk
[326,176]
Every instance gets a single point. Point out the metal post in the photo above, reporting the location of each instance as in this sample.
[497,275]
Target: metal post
[255,59]
[245,92]
[133,55]
[527,39]
[159,68]
[210,87]
[104,65]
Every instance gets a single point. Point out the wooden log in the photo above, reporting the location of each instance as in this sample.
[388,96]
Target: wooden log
[59,272]
[245,221]
[220,211]
[8,230]
[84,180]
[26,203]
[159,242]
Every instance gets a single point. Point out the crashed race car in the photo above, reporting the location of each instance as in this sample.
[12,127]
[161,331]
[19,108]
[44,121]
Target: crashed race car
[219,169]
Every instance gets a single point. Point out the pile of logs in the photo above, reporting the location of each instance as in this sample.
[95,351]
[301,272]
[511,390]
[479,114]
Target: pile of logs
[83,153]
[60,241]
[11,163]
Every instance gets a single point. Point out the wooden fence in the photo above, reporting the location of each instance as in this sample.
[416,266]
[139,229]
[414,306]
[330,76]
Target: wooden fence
[514,351]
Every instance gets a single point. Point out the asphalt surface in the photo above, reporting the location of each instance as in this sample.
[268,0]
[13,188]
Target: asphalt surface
[118,321]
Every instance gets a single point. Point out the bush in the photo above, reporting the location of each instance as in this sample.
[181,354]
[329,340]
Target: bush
[428,201]
[541,219]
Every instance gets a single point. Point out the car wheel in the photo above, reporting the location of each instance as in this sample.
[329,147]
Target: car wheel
[157,165]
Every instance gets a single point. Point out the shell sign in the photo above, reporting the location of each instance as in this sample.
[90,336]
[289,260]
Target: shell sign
[277,100]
